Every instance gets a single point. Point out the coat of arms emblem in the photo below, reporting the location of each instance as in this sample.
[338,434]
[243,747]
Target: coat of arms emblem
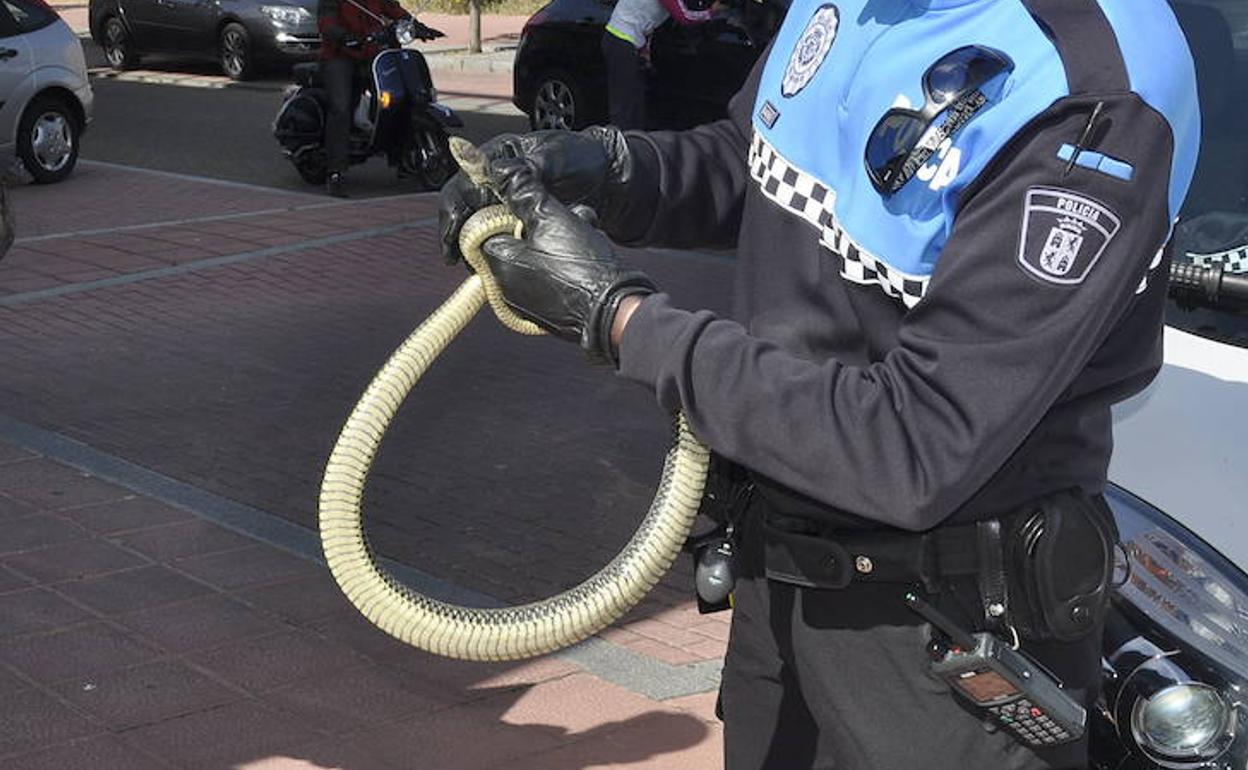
[811,49]
[1064,234]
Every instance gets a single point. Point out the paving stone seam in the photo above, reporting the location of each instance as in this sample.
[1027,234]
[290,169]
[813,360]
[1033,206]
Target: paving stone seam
[634,671]
[137,749]
[201,179]
[210,262]
[199,220]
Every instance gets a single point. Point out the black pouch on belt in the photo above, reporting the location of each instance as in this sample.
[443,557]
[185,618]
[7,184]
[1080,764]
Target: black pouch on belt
[1059,563]
[728,492]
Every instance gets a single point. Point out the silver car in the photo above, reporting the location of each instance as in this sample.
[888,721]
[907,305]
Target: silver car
[45,98]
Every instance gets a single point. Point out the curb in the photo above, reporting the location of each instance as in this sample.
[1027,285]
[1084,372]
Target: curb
[183,79]
[476,64]
[492,60]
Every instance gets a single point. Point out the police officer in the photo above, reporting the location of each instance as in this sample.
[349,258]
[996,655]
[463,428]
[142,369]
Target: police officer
[950,219]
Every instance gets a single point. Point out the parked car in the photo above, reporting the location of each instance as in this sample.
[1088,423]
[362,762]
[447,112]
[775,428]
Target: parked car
[242,35]
[1176,647]
[560,78]
[45,98]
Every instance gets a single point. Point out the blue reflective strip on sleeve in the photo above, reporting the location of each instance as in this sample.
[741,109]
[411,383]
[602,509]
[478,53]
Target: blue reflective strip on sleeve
[1096,161]
[1115,167]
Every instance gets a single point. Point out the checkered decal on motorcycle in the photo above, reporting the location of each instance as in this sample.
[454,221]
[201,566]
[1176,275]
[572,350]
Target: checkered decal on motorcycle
[803,195]
[1233,261]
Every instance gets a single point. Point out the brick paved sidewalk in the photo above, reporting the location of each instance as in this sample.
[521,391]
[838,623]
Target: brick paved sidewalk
[213,336]
[135,635]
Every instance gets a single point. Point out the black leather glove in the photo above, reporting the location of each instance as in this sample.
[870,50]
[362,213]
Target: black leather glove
[590,167]
[563,275]
[423,32]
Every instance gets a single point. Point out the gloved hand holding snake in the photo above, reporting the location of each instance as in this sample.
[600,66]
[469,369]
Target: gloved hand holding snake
[543,268]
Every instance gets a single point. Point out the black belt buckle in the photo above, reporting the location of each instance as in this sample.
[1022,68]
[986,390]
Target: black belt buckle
[806,560]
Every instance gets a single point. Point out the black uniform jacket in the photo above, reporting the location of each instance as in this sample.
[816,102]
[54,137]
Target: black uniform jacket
[870,378]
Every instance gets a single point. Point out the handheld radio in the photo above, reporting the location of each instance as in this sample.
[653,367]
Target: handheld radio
[1016,693]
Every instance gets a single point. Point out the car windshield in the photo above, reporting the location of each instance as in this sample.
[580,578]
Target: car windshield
[1212,231]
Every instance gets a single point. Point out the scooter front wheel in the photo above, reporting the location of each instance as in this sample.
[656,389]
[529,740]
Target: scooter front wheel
[311,164]
[429,161]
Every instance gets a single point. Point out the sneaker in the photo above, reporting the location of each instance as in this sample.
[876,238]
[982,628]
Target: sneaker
[336,185]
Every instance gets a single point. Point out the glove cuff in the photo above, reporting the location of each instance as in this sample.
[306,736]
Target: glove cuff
[596,336]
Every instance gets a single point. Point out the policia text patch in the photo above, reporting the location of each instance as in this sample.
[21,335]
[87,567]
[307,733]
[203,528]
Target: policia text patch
[1064,234]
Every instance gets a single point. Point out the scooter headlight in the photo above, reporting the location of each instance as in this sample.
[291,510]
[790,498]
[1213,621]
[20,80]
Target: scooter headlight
[287,15]
[1183,721]
[405,31]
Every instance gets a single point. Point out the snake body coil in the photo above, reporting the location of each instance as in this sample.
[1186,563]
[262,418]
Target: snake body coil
[474,633]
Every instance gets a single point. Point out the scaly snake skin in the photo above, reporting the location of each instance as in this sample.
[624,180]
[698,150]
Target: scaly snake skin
[472,633]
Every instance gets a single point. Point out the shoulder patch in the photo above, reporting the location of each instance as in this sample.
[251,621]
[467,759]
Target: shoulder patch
[1063,235]
[811,49]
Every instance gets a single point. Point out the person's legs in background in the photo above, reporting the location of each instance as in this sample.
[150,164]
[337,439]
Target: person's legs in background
[626,83]
[339,76]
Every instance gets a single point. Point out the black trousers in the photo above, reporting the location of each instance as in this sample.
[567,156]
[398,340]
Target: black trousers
[626,83]
[819,679]
[343,78]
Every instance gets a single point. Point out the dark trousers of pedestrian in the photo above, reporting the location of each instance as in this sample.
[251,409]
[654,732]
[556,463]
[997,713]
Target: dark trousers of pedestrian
[626,83]
[817,679]
[341,77]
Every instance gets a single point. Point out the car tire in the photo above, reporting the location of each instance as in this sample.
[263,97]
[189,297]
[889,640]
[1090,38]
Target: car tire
[558,102]
[48,139]
[234,52]
[118,47]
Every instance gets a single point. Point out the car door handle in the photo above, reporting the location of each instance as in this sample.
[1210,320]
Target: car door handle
[8,53]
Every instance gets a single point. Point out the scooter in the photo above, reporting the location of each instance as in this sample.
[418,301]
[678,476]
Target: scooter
[397,115]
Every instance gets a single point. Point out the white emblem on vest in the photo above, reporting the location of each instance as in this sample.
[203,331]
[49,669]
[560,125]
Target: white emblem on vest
[811,49]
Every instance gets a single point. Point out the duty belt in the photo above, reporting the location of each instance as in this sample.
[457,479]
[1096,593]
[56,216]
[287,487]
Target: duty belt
[802,552]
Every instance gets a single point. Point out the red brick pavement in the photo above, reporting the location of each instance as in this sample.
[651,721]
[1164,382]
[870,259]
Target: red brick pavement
[134,635]
[235,378]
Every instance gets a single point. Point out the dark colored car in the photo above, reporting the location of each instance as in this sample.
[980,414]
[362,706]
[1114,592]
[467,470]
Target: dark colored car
[240,34]
[560,75]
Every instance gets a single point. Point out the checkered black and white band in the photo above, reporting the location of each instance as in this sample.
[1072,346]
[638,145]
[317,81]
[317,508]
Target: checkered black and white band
[1233,261]
[803,195]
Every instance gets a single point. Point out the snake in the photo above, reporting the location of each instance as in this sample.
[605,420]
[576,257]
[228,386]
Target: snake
[487,633]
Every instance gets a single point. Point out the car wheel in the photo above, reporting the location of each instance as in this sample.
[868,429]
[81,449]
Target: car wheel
[118,49]
[47,139]
[234,47]
[557,102]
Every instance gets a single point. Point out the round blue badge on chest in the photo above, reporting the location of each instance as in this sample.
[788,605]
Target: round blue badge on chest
[811,49]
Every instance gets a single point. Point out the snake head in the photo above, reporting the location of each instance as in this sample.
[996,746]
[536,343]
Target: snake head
[470,159]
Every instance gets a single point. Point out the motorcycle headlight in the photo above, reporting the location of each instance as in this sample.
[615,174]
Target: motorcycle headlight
[1179,679]
[405,31]
[288,15]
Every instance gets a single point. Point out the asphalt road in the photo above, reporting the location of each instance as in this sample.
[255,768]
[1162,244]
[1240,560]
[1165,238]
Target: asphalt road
[212,128]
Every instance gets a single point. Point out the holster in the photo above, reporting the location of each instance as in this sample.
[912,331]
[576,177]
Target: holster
[1045,568]
[1059,565]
